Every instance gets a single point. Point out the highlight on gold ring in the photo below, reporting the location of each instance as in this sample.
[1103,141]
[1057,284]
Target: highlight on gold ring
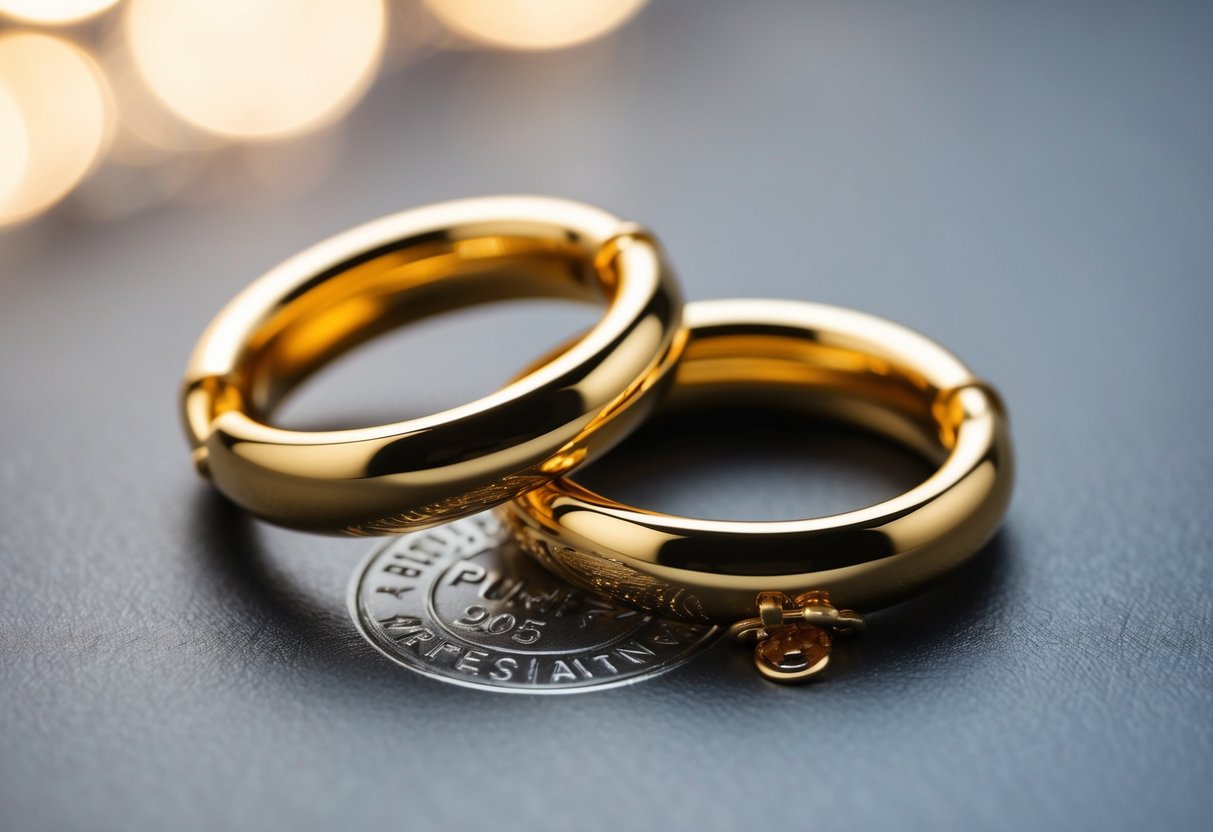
[420,472]
[807,575]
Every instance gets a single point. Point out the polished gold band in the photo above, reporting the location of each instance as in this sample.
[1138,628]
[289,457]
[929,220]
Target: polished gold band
[410,474]
[824,361]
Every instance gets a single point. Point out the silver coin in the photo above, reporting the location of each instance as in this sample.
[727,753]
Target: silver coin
[462,603]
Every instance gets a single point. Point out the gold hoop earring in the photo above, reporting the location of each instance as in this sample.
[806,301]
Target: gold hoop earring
[789,584]
[420,472]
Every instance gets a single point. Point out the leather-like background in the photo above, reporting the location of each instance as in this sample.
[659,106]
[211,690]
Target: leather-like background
[1029,183]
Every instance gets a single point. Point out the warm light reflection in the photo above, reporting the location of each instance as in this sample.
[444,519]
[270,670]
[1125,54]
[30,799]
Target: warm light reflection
[64,103]
[147,132]
[294,167]
[257,68]
[53,11]
[14,146]
[534,24]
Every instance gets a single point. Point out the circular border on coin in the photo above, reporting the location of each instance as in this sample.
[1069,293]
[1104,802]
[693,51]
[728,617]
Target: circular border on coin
[461,603]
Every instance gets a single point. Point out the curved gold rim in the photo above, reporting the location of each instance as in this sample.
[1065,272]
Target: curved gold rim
[823,360]
[419,472]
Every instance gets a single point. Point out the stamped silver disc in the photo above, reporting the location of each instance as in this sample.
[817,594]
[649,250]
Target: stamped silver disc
[462,603]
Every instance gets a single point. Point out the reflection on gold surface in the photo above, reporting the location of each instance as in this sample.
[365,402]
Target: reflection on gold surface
[53,11]
[64,103]
[788,354]
[534,24]
[403,268]
[257,68]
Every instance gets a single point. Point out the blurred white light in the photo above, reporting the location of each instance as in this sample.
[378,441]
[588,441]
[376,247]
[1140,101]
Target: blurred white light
[534,24]
[14,146]
[64,103]
[148,133]
[295,167]
[257,68]
[53,11]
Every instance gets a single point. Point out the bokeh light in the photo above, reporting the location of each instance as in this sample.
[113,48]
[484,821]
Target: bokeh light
[64,104]
[54,12]
[257,69]
[14,146]
[148,133]
[534,24]
[190,99]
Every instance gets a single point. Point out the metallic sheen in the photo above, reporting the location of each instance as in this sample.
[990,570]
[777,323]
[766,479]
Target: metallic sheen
[461,603]
[420,472]
[823,361]
[793,638]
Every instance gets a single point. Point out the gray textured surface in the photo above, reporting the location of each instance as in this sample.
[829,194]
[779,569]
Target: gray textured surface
[1030,183]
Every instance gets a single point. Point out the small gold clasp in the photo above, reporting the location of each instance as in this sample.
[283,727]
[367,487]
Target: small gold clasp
[792,639]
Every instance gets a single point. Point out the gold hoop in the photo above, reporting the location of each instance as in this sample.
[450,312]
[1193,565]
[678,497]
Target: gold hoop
[827,361]
[420,472]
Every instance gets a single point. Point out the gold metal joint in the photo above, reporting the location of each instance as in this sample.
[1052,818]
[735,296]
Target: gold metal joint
[628,235]
[199,457]
[770,609]
[793,640]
